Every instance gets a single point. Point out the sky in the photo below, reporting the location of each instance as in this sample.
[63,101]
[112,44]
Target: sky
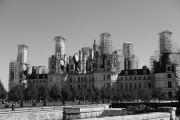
[35,23]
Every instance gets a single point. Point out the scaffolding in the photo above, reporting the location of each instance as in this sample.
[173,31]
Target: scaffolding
[105,43]
[168,45]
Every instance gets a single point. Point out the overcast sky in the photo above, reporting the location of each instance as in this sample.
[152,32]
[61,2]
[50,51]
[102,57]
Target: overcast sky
[36,22]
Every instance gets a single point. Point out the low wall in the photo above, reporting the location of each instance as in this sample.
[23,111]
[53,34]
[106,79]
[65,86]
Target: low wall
[52,114]
[40,115]
[150,116]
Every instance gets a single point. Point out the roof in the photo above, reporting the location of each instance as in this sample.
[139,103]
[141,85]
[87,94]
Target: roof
[132,72]
[40,76]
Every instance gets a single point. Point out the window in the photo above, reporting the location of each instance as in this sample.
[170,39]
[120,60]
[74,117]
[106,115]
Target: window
[81,79]
[168,68]
[108,77]
[169,84]
[108,62]
[130,85]
[139,77]
[144,72]
[104,77]
[93,79]
[139,85]
[126,86]
[168,75]
[121,78]
[169,94]
[121,86]
[144,85]
[149,77]
[135,85]
[93,65]
[126,72]
[135,72]
[108,85]
[44,81]
[130,77]
[36,81]
[70,79]
[78,79]
[85,80]
[144,77]
[134,77]
[78,86]
[126,78]
[40,81]
[33,81]
[149,85]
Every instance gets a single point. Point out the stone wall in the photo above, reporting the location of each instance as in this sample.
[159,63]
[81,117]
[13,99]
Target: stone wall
[40,115]
[150,116]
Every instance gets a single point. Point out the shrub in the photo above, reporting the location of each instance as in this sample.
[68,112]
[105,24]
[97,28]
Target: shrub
[7,106]
[34,104]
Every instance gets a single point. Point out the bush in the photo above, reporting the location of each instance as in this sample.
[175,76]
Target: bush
[116,113]
[7,106]
[34,104]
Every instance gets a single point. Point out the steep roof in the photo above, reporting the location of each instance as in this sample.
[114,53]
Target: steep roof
[132,72]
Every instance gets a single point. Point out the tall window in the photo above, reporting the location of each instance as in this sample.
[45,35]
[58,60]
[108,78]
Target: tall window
[139,85]
[81,79]
[144,85]
[149,85]
[169,84]
[130,85]
[135,85]
[78,79]
[104,77]
[108,77]
[139,77]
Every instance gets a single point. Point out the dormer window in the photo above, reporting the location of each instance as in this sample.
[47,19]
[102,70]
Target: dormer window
[144,72]
[135,72]
[168,68]
[126,72]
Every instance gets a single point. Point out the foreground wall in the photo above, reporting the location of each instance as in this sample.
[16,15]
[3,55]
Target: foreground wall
[151,116]
[40,115]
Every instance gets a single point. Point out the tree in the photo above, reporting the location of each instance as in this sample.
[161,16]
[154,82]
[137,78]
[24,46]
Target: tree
[159,94]
[97,94]
[103,94]
[43,94]
[31,93]
[145,94]
[55,93]
[65,92]
[75,94]
[108,95]
[127,95]
[16,94]
[91,94]
[178,94]
[3,92]
[118,95]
